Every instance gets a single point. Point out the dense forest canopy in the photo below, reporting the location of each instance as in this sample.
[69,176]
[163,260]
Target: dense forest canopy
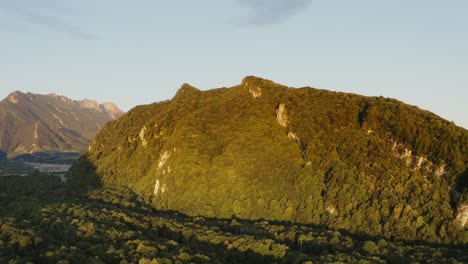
[260,150]
[41,222]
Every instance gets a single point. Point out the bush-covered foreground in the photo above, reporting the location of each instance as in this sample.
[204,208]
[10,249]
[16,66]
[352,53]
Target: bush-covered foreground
[40,222]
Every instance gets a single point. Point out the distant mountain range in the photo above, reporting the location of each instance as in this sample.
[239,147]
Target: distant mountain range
[33,123]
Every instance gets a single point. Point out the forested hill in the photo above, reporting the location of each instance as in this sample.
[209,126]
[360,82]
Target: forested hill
[261,150]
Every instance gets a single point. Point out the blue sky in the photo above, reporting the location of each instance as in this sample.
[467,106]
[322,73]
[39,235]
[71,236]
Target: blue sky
[137,52]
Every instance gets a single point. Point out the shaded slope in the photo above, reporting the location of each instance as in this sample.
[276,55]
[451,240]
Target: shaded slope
[263,150]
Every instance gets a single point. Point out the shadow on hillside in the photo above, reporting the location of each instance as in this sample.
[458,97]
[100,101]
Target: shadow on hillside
[225,224]
[3,156]
[95,229]
[119,219]
[82,176]
[259,230]
[462,182]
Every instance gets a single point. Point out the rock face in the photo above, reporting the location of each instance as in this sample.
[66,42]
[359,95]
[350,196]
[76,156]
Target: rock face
[303,155]
[91,104]
[282,116]
[417,162]
[31,123]
[283,120]
[111,109]
[462,214]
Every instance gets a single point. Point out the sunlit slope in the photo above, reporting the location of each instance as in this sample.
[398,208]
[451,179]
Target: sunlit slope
[263,150]
[31,123]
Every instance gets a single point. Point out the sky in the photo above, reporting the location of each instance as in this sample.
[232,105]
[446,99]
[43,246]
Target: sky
[142,51]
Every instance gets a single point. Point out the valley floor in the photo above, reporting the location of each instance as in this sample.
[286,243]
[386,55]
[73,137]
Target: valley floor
[41,222]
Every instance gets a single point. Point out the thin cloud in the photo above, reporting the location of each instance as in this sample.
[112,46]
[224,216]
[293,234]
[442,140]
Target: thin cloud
[31,16]
[269,12]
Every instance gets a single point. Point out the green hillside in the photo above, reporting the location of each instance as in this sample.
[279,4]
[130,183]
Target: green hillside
[368,165]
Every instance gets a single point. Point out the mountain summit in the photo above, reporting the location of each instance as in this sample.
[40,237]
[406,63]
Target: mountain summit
[31,123]
[261,150]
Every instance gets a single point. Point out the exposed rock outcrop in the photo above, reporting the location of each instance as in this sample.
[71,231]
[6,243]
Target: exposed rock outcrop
[91,104]
[144,142]
[111,109]
[282,116]
[417,162]
[462,214]
[283,120]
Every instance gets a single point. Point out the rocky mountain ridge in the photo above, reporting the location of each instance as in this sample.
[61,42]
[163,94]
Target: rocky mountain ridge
[31,123]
